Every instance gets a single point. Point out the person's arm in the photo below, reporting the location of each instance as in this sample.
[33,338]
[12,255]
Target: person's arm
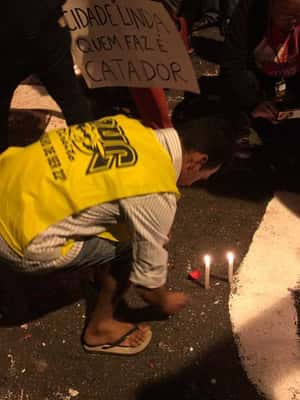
[150,219]
[241,87]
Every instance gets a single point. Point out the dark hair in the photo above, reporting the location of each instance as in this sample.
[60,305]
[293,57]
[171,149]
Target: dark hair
[211,135]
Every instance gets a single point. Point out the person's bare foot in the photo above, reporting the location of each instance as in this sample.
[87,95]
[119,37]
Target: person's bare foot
[174,302]
[110,331]
[168,301]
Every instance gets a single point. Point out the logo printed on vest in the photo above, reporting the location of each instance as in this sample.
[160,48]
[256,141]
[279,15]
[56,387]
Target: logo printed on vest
[52,158]
[106,143]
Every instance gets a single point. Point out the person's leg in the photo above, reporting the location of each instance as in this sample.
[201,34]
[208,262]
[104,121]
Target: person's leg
[227,7]
[56,72]
[111,263]
[281,145]
[282,138]
[210,6]
[152,106]
[190,10]
[102,327]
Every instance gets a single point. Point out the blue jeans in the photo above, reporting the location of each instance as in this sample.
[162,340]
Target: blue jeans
[97,251]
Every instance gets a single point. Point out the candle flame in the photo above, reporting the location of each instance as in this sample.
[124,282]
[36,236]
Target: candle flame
[230,257]
[207,260]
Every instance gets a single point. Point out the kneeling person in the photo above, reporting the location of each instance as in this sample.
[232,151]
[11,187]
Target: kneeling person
[103,195]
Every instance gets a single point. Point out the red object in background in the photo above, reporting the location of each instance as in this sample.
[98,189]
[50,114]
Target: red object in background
[152,103]
[184,32]
[195,274]
[152,106]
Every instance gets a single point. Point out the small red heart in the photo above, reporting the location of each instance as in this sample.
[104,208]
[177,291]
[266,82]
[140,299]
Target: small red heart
[195,274]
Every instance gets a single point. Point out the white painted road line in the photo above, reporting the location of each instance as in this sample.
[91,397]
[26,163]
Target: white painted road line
[262,309]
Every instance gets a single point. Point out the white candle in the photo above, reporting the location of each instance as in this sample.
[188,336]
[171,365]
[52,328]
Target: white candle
[230,259]
[207,262]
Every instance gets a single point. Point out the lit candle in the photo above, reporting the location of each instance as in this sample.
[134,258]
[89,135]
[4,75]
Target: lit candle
[230,259]
[207,262]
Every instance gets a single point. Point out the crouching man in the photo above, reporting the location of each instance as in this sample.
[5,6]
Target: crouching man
[103,195]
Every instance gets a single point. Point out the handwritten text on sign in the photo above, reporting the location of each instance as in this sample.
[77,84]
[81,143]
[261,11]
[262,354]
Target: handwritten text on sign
[128,43]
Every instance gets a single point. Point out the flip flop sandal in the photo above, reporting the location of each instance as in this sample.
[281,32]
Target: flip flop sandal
[117,348]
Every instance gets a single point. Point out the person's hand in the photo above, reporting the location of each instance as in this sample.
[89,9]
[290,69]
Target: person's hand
[266,110]
[173,302]
[169,302]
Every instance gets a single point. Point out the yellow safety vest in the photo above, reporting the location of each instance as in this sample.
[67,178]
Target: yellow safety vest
[69,170]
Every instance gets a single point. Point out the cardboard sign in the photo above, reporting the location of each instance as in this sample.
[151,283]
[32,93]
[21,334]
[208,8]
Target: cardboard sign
[128,43]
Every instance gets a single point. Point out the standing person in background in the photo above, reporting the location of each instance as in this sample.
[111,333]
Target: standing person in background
[152,103]
[227,8]
[33,42]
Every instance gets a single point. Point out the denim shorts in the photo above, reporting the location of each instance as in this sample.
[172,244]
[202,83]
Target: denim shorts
[97,251]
